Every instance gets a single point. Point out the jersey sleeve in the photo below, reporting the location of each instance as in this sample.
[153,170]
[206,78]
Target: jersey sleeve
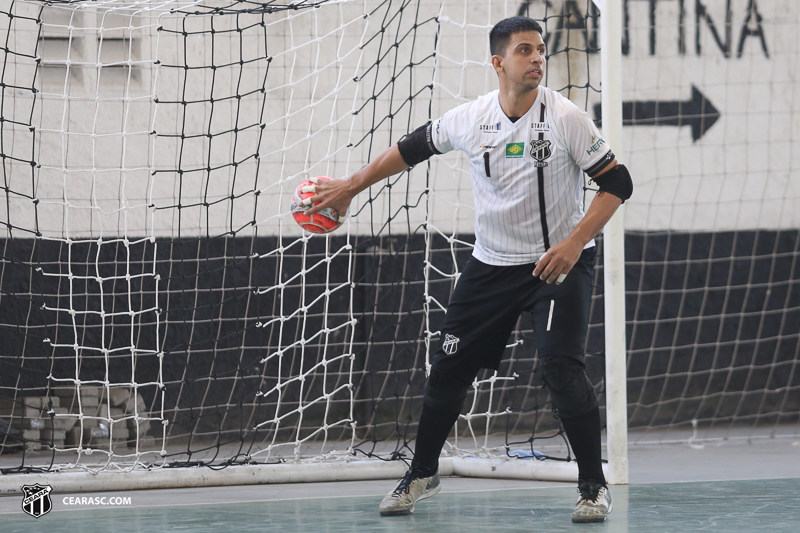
[448,131]
[585,144]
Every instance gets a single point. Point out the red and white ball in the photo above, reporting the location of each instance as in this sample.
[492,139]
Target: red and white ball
[325,221]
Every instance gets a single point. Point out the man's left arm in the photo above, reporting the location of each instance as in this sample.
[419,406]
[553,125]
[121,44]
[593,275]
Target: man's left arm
[615,187]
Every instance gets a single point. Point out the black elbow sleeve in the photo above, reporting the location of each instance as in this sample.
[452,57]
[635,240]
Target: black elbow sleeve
[616,181]
[417,146]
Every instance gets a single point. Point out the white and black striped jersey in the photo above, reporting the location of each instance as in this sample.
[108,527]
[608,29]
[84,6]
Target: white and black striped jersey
[527,175]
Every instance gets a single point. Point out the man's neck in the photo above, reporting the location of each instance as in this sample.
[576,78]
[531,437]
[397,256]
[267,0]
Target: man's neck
[515,104]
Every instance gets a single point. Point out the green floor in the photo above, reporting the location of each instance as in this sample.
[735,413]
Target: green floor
[729,506]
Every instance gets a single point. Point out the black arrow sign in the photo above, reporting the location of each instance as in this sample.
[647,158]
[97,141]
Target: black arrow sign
[698,112]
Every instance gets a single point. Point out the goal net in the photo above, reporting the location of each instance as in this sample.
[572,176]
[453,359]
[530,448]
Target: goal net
[710,109]
[163,310]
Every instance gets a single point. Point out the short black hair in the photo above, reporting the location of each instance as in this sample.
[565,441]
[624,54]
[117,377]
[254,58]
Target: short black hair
[503,30]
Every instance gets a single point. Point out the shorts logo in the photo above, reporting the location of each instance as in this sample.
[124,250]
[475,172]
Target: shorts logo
[450,344]
[540,150]
[36,500]
[515,149]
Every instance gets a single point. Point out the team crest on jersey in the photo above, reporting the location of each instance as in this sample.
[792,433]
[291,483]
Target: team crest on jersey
[540,150]
[450,344]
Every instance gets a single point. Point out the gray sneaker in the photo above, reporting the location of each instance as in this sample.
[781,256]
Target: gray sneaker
[594,503]
[409,491]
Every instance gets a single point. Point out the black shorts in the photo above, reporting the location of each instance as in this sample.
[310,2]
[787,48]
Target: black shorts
[488,301]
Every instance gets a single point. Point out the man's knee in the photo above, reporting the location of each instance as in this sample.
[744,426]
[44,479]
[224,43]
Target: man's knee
[571,392]
[444,392]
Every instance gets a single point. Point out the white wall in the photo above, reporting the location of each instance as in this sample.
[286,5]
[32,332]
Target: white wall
[744,173]
[96,151]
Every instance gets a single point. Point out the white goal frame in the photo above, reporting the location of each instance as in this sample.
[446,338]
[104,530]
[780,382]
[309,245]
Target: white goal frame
[614,252]
[351,469]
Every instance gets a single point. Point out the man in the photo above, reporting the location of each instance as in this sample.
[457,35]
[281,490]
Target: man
[534,251]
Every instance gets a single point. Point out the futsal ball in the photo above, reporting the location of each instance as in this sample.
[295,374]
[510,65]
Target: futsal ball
[325,221]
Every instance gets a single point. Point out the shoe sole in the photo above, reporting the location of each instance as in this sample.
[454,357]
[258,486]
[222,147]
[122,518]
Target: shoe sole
[592,519]
[402,512]
[588,520]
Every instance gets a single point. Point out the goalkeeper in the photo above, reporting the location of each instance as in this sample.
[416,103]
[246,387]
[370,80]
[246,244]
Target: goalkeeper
[534,251]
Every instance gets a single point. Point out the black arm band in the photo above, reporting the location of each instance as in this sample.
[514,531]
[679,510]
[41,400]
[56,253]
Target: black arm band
[601,164]
[417,146]
[616,181]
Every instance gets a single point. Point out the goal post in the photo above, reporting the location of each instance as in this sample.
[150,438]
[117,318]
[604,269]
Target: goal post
[175,327]
[616,342]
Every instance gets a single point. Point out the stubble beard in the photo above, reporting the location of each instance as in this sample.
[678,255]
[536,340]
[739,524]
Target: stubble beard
[528,86]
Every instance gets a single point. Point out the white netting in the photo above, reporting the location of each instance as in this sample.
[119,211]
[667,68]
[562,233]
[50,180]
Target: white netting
[712,233]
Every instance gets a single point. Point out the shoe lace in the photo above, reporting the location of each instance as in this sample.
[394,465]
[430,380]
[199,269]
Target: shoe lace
[405,483]
[589,491]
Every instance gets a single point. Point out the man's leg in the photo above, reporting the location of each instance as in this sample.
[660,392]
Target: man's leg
[480,316]
[560,316]
[574,399]
[560,319]
[444,399]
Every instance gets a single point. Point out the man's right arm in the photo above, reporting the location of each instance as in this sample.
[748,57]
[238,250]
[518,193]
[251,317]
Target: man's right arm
[338,194]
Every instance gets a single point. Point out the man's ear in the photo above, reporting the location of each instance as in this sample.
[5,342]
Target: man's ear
[497,63]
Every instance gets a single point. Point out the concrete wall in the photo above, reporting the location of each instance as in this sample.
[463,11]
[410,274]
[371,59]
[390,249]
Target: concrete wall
[322,91]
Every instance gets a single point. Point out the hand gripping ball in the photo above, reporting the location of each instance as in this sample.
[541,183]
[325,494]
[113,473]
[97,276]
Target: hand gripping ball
[325,221]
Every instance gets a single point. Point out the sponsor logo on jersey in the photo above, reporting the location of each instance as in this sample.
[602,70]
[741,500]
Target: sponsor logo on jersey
[540,126]
[487,146]
[36,499]
[515,149]
[450,344]
[597,142]
[489,128]
[540,150]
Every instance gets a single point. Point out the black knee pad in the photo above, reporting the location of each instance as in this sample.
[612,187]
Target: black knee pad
[571,391]
[445,393]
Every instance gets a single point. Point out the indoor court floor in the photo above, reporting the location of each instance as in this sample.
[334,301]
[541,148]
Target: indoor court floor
[733,487]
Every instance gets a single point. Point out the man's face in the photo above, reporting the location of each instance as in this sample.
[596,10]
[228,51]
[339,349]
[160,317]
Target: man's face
[524,61]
